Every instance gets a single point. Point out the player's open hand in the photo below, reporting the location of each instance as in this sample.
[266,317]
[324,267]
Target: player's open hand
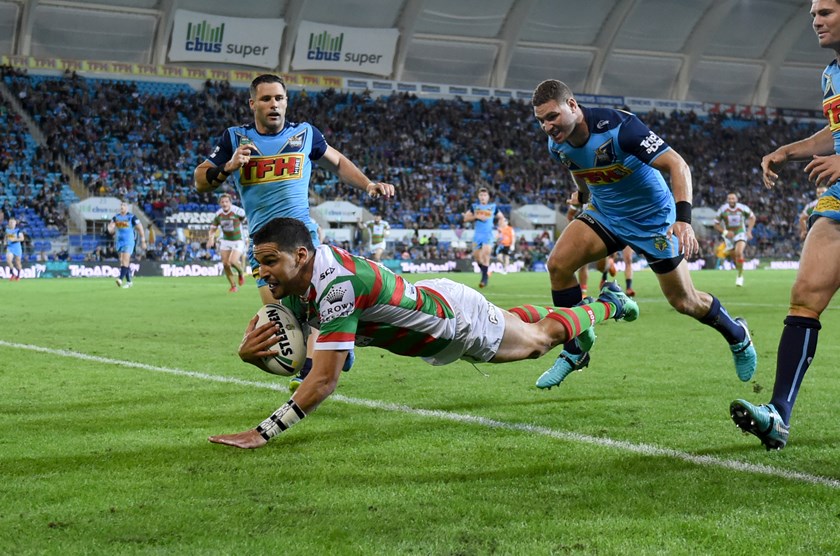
[824,170]
[256,342]
[770,164]
[379,188]
[685,236]
[246,440]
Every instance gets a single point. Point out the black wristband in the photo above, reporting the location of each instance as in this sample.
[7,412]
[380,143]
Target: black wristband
[684,212]
[216,174]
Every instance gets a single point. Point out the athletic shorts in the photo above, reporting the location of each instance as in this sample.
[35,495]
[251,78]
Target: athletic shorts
[125,247]
[480,240]
[828,205]
[730,242]
[232,245]
[503,250]
[255,266]
[662,254]
[479,325]
[375,246]
[14,249]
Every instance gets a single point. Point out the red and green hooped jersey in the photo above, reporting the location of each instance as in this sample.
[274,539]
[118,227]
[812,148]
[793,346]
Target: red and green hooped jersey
[734,219]
[230,223]
[377,230]
[355,301]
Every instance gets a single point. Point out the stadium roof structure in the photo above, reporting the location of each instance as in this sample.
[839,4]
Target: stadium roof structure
[760,52]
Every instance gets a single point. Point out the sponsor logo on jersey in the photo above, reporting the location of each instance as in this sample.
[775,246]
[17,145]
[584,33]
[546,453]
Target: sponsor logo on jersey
[326,273]
[266,169]
[603,176]
[831,109]
[605,154]
[340,301]
[652,142]
[602,124]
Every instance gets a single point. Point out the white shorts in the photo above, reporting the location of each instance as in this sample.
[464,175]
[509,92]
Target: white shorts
[730,242]
[375,246]
[479,325]
[232,245]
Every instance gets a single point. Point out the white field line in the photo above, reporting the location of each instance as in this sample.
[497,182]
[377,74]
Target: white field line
[645,449]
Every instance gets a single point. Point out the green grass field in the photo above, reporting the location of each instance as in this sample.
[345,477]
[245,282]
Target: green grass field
[108,396]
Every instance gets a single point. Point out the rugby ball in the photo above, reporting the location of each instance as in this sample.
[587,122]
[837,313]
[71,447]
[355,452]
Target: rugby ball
[291,340]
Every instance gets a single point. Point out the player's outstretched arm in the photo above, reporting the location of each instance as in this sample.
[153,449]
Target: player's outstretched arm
[349,173]
[819,144]
[319,384]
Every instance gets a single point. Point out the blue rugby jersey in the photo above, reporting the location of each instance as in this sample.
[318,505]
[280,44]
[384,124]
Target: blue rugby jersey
[124,224]
[615,164]
[484,228]
[275,182]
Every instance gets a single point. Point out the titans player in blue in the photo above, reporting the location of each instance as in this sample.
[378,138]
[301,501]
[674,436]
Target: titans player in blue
[124,225]
[616,163]
[818,277]
[484,214]
[14,250]
[270,162]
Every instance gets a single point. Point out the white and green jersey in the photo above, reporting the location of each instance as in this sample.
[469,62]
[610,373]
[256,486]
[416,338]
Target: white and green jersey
[355,301]
[230,223]
[734,219]
[809,208]
[377,230]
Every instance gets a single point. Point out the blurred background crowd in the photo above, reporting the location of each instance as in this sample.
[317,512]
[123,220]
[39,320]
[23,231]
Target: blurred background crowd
[140,141]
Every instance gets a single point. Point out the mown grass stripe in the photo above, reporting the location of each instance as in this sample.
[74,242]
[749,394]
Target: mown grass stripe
[644,449]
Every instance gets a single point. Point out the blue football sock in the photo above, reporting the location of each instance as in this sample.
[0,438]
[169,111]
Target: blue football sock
[797,347]
[719,319]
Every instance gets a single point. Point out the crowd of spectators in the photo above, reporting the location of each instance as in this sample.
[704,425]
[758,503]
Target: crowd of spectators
[142,146]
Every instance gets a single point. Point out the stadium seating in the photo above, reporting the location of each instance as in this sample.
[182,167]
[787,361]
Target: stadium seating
[437,152]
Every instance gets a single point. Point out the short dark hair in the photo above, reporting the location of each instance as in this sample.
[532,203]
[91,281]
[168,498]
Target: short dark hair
[484,189]
[287,233]
[265,78]
[551,89]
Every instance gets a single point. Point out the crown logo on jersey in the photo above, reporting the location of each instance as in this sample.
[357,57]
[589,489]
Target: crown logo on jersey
[335,295]
[605,154]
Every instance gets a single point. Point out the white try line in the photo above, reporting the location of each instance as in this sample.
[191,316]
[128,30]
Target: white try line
[645,449]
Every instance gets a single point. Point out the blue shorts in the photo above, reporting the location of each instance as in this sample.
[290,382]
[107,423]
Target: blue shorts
[14,249]
[255,266]
[125,247]
[828,205]
[480,240]
[651,241]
